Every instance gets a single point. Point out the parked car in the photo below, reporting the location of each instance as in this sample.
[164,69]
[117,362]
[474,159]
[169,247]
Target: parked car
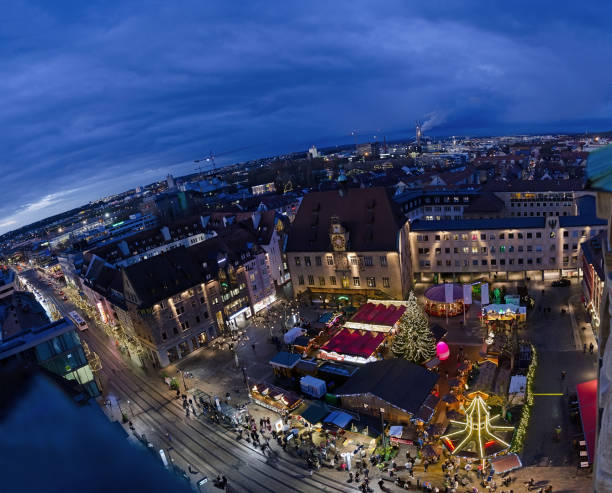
[561,283]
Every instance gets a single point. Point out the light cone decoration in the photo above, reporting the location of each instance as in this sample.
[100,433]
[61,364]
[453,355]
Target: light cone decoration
[477,437]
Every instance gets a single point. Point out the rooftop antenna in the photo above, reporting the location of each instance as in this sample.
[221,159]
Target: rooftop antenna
[209,159]
[419,132]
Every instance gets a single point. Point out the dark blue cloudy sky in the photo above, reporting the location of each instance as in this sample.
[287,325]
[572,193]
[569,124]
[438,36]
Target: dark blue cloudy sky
[100,96]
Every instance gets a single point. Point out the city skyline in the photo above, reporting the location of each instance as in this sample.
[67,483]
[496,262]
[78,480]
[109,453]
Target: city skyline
[100,101]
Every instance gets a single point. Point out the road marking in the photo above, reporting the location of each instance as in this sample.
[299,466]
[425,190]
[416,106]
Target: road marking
[547,394]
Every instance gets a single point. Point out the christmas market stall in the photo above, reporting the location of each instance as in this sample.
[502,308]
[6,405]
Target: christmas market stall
[505,312]
[274,398]
[283,363]
[444,300]
[377,316]
[373,391]
[353,346]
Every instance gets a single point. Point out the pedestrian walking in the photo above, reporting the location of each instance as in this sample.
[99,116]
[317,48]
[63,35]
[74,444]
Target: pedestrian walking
[584,348]
[591,347]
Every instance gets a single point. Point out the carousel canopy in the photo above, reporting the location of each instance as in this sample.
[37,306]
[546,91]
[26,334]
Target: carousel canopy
[436,293]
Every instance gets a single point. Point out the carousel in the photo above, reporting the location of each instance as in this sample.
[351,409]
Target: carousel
[436,305]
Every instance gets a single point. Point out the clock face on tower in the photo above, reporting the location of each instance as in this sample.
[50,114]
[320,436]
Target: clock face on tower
[338,242]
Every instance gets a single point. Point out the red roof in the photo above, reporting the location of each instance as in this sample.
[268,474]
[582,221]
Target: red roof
[378,314]
[587,398]
[355,343]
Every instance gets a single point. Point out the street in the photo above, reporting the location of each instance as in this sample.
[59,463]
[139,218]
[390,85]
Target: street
[208,448]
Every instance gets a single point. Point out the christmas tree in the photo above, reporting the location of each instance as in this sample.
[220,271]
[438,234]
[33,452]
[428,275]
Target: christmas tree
[413,340]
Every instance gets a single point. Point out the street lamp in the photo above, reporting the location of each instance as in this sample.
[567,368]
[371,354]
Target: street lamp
[131,410]
[382,427]
[183,375]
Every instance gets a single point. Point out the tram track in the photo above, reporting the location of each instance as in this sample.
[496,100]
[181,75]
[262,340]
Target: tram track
[159,412]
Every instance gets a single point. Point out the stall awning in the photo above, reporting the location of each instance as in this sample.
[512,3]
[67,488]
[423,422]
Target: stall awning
[587,399]
[339,418]
[505,463]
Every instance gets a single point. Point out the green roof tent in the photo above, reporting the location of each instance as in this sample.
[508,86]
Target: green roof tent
[599,169]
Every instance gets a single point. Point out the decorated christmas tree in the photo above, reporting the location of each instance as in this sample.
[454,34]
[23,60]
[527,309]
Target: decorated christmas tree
[414,341]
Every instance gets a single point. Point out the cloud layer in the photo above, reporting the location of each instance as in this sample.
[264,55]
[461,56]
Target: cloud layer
[102,96]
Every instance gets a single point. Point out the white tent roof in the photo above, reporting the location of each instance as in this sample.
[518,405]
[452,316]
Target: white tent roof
[518,384]
[292,334]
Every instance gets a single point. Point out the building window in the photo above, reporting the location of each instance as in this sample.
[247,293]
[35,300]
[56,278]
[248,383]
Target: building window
[185,325]
[502,261]
[438,251]
[386,283]
[529,235]
[383,259]
[483,236]
[520,261]
[437,237]
[367,260]
[447,250]
[332,280]
[553,260]
[502,249]
[510,236]
[164,336]
[371,282]
[493,261]
[175,330]
[307,261]
[501,236]
[538,260]
[301,280]
[356,281]
[297,261]
[538,235]
[565,234]
[197,319]
[484,261]
[345,282]
[318,262]
[520,236]
[321,281]
[330,260]
[353,260]
[439,263]
[311,280]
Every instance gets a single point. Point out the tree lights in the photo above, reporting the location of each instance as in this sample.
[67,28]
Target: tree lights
[519,437]
[413,340]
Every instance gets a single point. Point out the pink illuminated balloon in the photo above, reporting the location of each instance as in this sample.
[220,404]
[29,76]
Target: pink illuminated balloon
[442,351]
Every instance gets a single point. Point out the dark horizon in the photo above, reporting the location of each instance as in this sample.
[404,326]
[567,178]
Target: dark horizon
[100,97]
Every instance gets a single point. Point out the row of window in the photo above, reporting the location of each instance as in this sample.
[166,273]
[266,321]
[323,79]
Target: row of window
[475,262]
[492,249]
[531,214]
[184,326]
[367,260]
[502,236]
[446,209]
[370,281]
[537,204]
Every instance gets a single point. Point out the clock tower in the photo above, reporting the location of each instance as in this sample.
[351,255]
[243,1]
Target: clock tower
[338,235]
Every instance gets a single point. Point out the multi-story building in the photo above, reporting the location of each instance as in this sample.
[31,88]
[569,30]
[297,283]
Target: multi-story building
[599,170]
[511,248]
[593,276]
[166,305]
[28,337]
[535,198]
[348,246]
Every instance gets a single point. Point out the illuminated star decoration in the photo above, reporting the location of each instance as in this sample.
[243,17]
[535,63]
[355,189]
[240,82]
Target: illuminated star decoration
[478,433]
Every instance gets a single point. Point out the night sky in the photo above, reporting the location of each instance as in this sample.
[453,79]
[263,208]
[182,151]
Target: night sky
[98,97]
